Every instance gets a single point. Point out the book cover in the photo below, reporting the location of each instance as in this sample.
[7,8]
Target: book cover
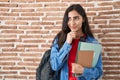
[85,58]
[88,53]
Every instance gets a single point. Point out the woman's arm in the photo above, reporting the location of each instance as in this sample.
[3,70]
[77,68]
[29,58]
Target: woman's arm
[58,57]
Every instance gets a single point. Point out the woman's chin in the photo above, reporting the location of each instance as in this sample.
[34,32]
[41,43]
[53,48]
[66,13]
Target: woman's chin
[73,30]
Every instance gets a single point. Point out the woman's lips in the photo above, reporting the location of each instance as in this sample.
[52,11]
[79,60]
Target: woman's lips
[73,27]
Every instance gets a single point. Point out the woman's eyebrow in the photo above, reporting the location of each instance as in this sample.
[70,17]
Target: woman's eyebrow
[73,17]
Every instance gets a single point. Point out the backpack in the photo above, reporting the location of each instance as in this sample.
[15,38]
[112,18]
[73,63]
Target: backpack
[44,71]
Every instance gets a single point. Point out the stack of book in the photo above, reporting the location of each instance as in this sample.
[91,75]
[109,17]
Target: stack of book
[88,54]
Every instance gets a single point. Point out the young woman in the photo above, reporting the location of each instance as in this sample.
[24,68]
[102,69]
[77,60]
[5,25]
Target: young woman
[75,28]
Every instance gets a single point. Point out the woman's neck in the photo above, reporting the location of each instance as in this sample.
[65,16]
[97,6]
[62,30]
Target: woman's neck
[79,34]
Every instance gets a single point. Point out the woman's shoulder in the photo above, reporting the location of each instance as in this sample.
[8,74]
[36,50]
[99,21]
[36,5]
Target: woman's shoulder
[92,40]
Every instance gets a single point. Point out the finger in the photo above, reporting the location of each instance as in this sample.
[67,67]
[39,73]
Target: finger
[73,67]
[73,35]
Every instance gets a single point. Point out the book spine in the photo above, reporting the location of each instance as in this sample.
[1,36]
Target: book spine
[79,44]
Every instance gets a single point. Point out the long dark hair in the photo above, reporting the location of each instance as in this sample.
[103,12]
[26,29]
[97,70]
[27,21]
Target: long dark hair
[65,29]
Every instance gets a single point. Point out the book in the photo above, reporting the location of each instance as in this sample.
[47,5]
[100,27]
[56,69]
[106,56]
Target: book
[85,58]
[88,54]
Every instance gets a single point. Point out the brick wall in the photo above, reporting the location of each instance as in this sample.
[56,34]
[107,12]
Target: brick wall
[27,28]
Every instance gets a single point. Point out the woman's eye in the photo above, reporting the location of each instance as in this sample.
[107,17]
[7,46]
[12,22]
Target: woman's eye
[76,18]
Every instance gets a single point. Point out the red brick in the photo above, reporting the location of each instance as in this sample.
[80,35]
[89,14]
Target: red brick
[22,1]
[111,68]
[52,18]
[16,23]
[30,18]
[74,1]
[107,3]
[22,10]
[31,54]
[10,40]
[114,77]
[37,32]
[32,77]
[8,5]
[35,50]
[110,40]
[30,28]
[109,35]
[114,21]
[14,68]
[42,23]
[100,8]
[7,45]
[30,36]
[98,1]
[111,58]
[13,31]
[117,5]
[87,5]
[8,14]
[47,0]
[44,45]
[4,0]
[31,68]
[96,31]
[31,14]
[7,18]
[34,41]
[109,12]
[11,54]
[111,31]
[10,59]
[55,5]
[30,5]
[111,44]
[27,64]
[91,14]
[99,22]
[111,63]
[15,77]
[12,50]
[8,36]
[6,64]
[48,9]
[115,53]
[111,49]
[112,72]
[27,45]
[8,27]
[109,26]
[31,59]
[4,9]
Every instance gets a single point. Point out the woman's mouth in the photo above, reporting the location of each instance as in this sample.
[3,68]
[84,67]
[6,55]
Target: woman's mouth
[73,27]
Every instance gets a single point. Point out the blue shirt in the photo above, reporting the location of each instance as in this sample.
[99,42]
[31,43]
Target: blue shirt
[59,60]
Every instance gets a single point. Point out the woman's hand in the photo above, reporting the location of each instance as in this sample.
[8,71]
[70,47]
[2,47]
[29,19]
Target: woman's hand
[70,37]
[77,69]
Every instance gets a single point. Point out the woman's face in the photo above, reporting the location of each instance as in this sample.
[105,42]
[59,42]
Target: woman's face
[75,21]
